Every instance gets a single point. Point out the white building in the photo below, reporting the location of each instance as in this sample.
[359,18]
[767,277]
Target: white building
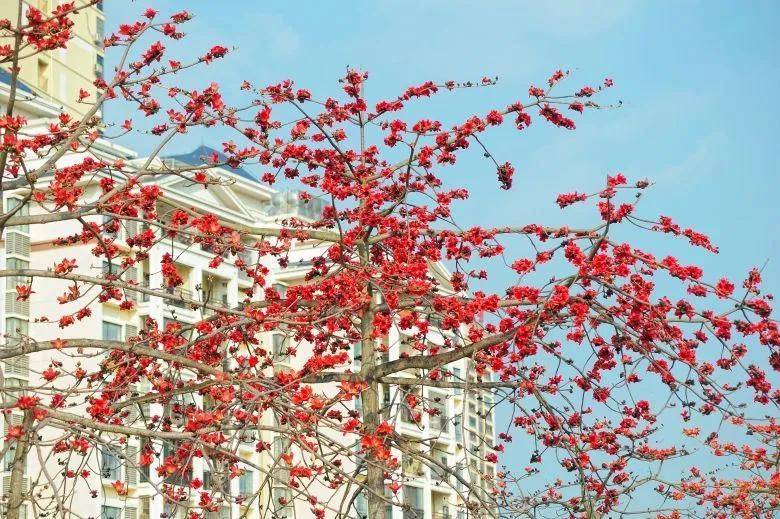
[459,437]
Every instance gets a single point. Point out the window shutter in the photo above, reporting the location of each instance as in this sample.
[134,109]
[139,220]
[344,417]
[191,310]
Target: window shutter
[7,485]
[131,276]
[131,468]
[9,420]
[131,330]
[18,366]
[12,306]
[17,243]
[131,228]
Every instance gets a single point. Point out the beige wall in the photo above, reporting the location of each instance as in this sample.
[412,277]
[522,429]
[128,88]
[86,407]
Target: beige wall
[57,76]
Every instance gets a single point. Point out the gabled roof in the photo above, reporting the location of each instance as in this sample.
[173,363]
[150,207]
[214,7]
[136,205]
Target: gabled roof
[201,155]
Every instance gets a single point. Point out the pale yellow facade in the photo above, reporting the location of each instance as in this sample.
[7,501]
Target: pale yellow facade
[56,77]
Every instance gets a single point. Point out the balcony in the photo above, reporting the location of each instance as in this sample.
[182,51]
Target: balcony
[210,249]
[179,292]
[220,301]
[246,257]
[412,466]
[440,423]
[440,476]
[414,513]
[145,298]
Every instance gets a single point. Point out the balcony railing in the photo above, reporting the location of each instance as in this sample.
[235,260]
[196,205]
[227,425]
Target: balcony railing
[219,301]
[181,478]
[440,475]
[209,248]
[184,239]
[414,513]
[412,466]
[179,292]
[247,259]
[440,423]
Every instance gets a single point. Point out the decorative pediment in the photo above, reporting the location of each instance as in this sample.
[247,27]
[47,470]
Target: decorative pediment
[221,199]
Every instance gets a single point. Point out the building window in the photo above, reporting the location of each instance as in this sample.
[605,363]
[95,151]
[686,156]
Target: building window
[456,377]
[111,268]
[183,474]
[361,506]
[110,467]
[406,412]
[223,513]
[110,512]
[413,498]
[458,426]
[111,229]
[245,483]
[111,331]
[472,415]
[280,289]
[279,347]
[145,471]
[16,328]
[11,394]
[146,508]
[99,31]
[8,459]
[283,501]
[387,407]
[14,281]
[170,509]
[434,321]
[439,421]
[43,75]
[359,404]
[13,203]
[99,66]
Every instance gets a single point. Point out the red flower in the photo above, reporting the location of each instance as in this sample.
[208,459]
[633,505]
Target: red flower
[724,288]
[23,292]
[27,402]
[15,432]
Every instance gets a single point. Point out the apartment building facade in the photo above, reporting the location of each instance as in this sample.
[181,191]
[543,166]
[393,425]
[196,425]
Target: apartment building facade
[457,438]
[55,77]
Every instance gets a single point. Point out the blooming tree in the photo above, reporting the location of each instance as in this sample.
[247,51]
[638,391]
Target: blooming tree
[614,362]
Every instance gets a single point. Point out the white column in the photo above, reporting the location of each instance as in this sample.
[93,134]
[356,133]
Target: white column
[155,283]
[232,290]
[427,501]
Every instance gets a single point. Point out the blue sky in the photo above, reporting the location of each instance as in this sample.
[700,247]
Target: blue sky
[697,80]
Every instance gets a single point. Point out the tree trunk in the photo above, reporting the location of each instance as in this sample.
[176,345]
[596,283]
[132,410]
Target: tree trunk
[15,497]
[375,471]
